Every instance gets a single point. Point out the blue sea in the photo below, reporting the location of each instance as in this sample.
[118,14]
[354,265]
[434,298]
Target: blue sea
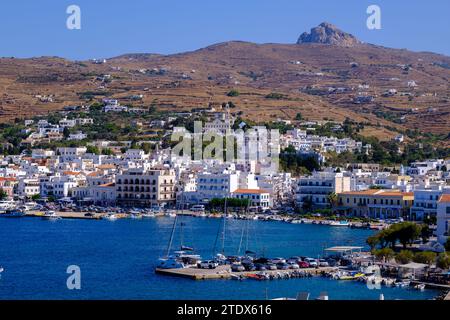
[117,259]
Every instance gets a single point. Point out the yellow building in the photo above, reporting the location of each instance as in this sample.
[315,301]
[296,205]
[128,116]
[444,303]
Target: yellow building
[373,203]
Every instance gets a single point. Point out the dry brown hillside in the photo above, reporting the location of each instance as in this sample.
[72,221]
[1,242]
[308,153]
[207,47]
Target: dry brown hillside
[321,81]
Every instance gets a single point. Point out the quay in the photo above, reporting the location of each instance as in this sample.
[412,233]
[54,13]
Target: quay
[430,285]
[66,214]
[224,272]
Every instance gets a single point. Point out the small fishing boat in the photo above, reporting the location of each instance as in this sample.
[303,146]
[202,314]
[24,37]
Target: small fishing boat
[255,276]
[342,223]
[1,269]
[402,284]
[420,287]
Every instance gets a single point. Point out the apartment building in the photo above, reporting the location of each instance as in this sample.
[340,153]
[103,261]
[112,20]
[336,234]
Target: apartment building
[317,187]
[141,187]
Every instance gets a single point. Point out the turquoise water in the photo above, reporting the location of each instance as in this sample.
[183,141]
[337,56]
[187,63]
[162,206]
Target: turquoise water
[117,259]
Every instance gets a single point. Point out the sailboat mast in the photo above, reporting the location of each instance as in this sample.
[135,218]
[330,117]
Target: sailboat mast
[223,227]
[171,236]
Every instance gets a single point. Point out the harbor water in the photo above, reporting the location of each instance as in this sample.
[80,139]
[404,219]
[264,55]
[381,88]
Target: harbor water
[117,258]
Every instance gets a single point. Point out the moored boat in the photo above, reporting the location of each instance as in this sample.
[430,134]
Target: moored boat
[12,214]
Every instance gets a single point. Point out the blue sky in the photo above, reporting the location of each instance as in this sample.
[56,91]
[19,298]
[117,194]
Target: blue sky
[109,28]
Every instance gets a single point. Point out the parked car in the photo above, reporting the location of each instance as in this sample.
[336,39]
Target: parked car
[323,263]
[208,264]
[249,266]
[312,262]
[293,265]
[237,267]
[282,266]
[271,266]
[303,264]
[278,260]
[260,267]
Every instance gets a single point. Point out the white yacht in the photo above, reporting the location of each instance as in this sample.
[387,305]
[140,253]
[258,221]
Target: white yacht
[51,215]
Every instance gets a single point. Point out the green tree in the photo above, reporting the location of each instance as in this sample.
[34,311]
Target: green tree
[373,241]
[407,232]
[233,93]
[3,194]
[298,116]
[447,245]
[332,199]
[404,256]
[443,261]
[384,254]
[35,197]
[92,149]
[427,257]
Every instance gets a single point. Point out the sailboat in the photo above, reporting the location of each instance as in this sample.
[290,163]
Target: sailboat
[180,258]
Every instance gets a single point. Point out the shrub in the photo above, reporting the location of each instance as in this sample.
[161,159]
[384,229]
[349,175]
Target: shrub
[404,256]
[233,93]
[443,261]
[427,257]
[385,253]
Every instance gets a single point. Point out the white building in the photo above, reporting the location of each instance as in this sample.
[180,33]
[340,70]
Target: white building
[426,201]
[443,218]
[77,136]
[257,197]
[317,187]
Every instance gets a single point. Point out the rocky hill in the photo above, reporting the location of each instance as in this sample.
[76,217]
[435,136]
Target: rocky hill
[327,75]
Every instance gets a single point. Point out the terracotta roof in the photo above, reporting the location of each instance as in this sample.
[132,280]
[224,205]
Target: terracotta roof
[109,184]
[94,174]
[362,192]
[106,166]
[71,173]
[379,192]
[445,198]
[7,179]
[250,191]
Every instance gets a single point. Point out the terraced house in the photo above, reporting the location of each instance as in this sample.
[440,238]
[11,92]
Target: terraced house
[374,203]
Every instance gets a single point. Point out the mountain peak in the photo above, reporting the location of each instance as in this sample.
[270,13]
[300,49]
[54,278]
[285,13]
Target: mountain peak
[328,33]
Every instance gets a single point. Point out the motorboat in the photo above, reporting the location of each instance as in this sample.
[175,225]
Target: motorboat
[111,217]
[420,286]
[342,223]
[403,284]
[12,213]
[51,215]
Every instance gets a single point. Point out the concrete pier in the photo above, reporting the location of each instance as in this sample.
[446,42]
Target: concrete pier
[224,272]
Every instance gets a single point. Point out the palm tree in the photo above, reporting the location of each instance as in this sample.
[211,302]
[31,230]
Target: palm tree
[332,199]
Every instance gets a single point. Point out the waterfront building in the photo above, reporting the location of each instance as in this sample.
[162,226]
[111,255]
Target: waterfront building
[375,203]
[316,188]
[28,187]
[257,197]
[139,187]
[426,201]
